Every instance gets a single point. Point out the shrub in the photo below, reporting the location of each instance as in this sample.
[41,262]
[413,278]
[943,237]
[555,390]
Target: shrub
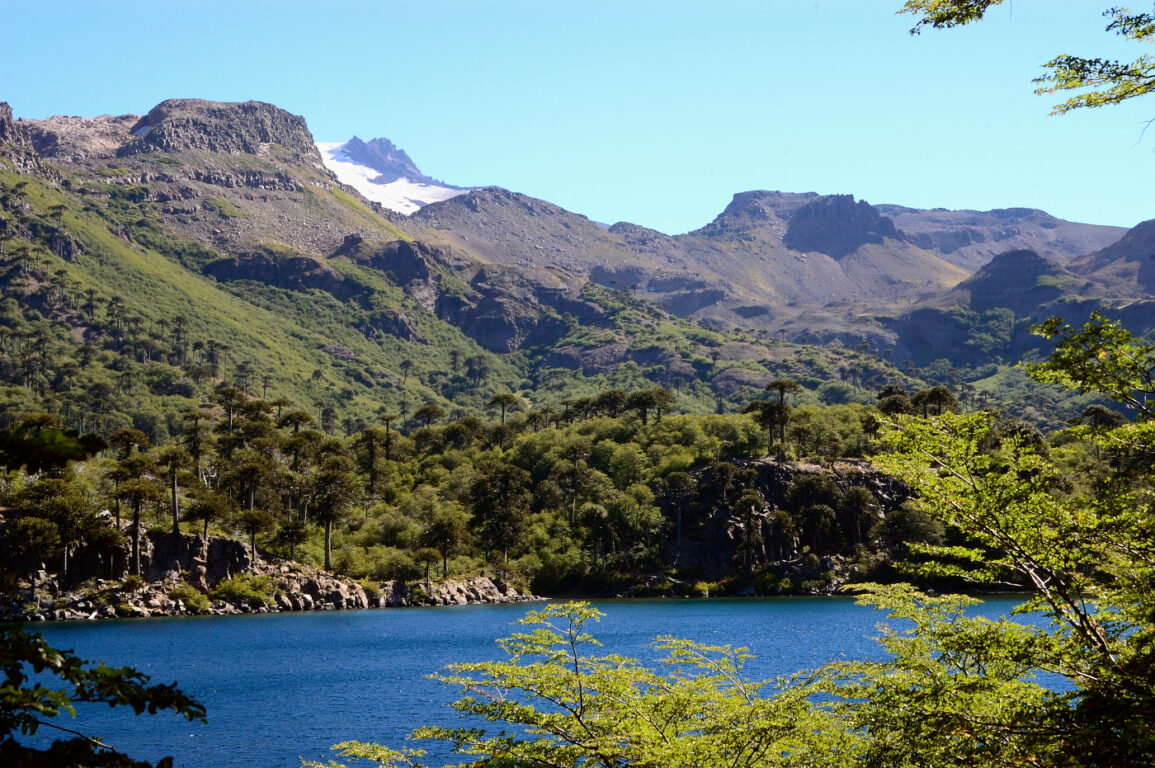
[699,589]
[195,601]
[372,590]
[243,589]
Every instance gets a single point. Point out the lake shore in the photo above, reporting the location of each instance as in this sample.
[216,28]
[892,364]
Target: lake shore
[295,588]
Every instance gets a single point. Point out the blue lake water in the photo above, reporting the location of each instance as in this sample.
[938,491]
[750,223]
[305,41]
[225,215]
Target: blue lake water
[284,686]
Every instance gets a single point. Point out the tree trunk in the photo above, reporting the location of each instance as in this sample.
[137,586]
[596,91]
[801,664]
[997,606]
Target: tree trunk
[372,446]
[175,506]
[328,547]
[136,540]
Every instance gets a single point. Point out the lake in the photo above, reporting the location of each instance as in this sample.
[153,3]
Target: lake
[279,687]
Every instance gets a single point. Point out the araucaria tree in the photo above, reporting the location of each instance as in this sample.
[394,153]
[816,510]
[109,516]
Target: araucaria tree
[336,490]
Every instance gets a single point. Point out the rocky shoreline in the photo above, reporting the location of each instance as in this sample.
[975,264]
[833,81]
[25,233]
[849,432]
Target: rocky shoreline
[296,588]
[192,576]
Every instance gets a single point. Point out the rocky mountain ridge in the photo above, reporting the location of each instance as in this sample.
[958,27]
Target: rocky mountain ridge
[238,196]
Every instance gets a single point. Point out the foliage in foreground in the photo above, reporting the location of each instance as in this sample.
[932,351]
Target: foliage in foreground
[576,707]
[28,703]
[1097,81]
[1071,685]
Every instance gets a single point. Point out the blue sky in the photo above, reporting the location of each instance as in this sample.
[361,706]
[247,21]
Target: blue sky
[654,112]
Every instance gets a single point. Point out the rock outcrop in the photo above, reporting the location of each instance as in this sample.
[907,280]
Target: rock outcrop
[289,271]
[408,264]
[837,226]
[70,139]
[250,127]
[479,589]
[1019,280]
[16,146]
[718,538]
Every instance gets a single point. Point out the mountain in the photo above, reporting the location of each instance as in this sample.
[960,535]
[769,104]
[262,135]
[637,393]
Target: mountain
[147,259]
[384,174]
[972,238]
[740,270]
[1126,266]
[1021,281]
[208,241]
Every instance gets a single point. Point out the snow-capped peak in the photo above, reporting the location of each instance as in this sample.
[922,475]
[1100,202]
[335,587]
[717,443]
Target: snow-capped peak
[383,173]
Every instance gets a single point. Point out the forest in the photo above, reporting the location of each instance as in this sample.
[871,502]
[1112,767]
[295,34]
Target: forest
[611,493]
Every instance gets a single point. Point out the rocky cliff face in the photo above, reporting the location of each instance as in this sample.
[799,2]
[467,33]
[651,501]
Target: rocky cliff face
[250,127]
[294,273]
[8,130]
[409,264]
[16,146]
[757,209]
[163,557]
[715,536]
[837,225]
[504,312]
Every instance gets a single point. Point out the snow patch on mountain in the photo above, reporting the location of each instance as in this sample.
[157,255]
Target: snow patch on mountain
[384,174]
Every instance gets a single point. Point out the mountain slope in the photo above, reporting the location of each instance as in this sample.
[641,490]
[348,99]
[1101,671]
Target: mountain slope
[972,238]
[738,270]
[1126,266]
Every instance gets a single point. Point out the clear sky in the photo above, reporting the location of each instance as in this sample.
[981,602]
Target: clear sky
[654,112]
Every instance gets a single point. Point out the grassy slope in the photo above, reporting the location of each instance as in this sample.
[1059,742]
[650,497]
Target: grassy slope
[281,333]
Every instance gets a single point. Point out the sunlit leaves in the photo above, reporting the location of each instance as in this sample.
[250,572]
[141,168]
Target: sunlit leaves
[1103,81]
[559,704]
[1101,356]
[942,14]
